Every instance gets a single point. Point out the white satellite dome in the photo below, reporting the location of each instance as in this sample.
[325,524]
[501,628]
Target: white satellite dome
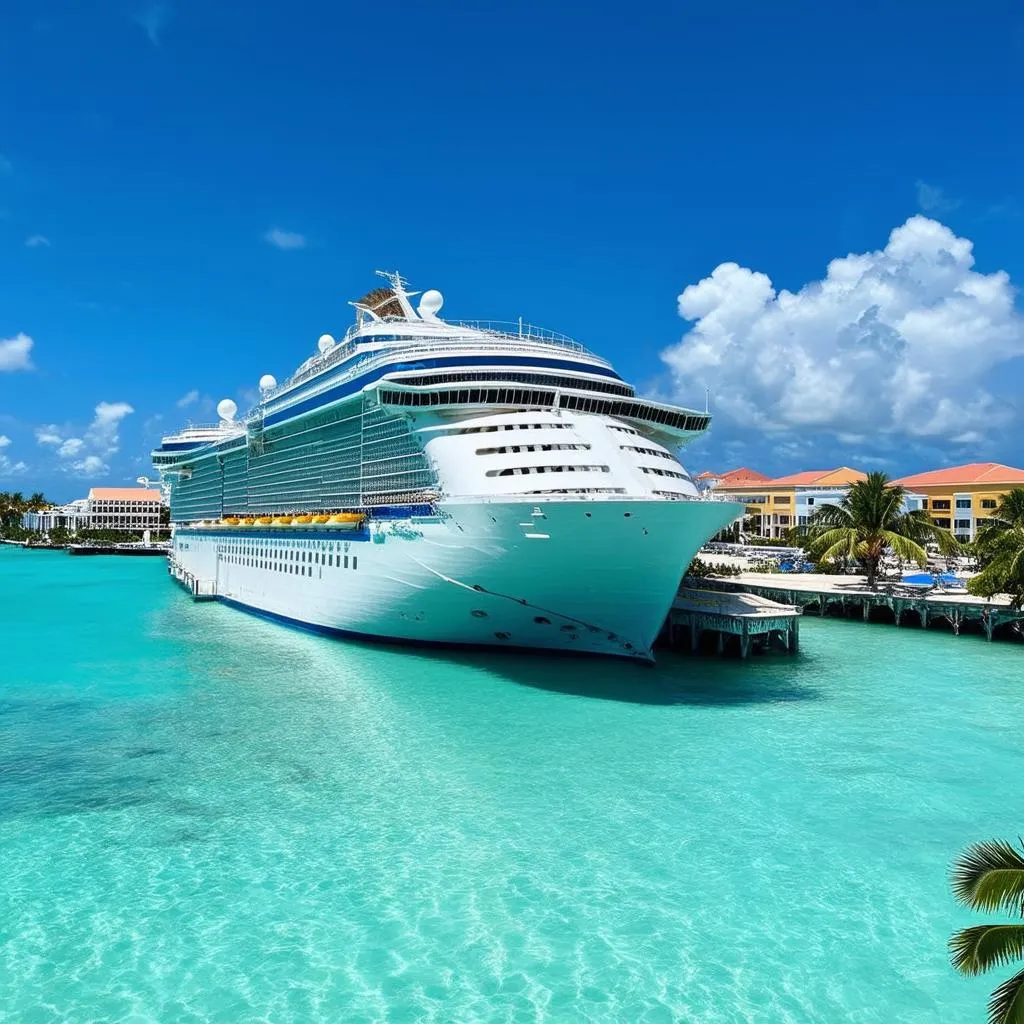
[268,381]
[226,409]
[430,304]
[325,344]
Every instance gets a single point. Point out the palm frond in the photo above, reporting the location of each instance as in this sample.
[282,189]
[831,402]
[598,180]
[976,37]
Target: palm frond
[906,548]
[1007,1003]
[984,946]
[990,876]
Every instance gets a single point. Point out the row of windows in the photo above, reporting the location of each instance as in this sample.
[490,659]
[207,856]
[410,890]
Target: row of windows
[651,471]
[636,410]
[527,470]
[582,490]
[515,426]
[515,448]
[623,430]
[302,568]
[607,387]
[645,451]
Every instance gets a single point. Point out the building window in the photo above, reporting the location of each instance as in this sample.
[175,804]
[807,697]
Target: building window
[962,524]
[941,503]
[780,499]
[942,523]
[810,501]
[988,503]
[963,502]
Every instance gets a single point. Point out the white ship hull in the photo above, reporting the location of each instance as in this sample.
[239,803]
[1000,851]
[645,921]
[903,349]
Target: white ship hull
[587,576]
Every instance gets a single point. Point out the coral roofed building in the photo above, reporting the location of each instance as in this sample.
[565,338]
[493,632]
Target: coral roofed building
[962,498]
[775,505]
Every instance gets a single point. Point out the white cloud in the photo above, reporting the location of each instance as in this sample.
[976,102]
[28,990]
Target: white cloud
[101,434]
[9,468]
[4,440]
[934,198]
[188,399]
[15,353]
[91,465]
[49,434]
[900,341]
[285,239]
[71,447]
[152,17]
[37,241]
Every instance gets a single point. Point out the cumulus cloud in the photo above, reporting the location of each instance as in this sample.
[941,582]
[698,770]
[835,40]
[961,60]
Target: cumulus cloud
[49,434]
[15,353]
[285,239]
[901,341]
[4,440]
[9,467]
[85,456]
[102,432]
[190,398]
[37,242]
[90,466]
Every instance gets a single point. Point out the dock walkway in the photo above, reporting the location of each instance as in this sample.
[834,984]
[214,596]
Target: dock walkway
[754,619]
[904,602]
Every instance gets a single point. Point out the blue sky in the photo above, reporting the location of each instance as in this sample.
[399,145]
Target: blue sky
[581,166]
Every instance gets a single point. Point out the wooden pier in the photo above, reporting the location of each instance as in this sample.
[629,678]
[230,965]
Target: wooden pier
[895,603]
[756,621]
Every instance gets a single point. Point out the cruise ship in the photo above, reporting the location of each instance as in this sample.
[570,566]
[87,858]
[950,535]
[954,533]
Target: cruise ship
[433,481]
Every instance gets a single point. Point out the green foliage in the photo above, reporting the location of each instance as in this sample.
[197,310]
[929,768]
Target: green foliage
[990,876]
[870,521]
[1000,550]
[107,537]
[13,505]
[700,570]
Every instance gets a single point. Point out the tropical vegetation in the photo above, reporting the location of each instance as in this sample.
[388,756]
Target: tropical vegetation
[1000,551]
[990,876]
[869,521]
[13,505]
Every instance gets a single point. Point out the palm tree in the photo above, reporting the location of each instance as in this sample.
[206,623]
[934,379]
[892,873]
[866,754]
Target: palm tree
[871,520]
[1000,547]
[36,501]
[990,876]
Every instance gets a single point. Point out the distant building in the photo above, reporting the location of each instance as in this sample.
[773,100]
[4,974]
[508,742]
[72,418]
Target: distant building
[962,498]
[776,505]
[129,509]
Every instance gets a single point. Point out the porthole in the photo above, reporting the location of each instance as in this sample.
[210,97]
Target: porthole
[541,621]
[478,613]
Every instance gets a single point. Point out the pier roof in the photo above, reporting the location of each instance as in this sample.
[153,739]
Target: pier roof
[993,473]
[122,494]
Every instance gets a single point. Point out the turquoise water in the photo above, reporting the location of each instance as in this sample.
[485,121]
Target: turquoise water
[207,817]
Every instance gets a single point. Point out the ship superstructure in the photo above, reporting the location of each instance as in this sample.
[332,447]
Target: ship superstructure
[451,482]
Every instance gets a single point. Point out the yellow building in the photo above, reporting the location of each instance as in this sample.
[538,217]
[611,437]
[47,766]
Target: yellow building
[775,505]
[961,498]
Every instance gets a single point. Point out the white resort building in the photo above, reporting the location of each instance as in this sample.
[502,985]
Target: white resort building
[127,509]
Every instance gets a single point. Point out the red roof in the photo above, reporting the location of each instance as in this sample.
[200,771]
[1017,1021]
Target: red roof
[741,476]
[123,494]
[994,473]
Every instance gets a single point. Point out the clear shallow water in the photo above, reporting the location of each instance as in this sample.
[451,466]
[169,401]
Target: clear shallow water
[206,817]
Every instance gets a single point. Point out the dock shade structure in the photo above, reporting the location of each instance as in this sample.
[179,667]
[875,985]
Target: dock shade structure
[756,621]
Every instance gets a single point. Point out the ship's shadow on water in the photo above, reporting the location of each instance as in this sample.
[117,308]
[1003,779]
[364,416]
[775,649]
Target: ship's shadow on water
[674,679]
